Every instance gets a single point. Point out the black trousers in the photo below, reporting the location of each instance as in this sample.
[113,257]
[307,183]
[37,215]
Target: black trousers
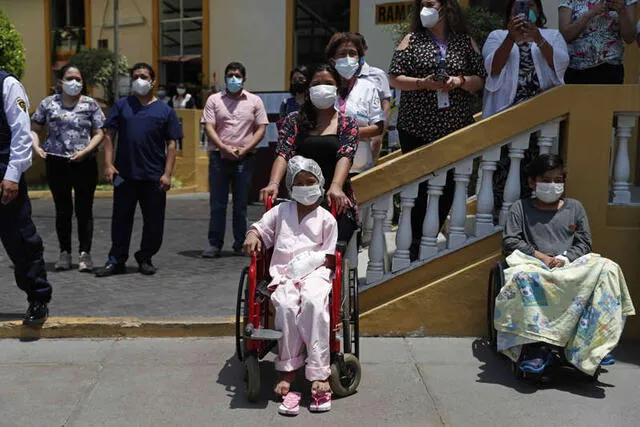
[602,74]
[23,245]
[152,201]
[81,177]
[409,143]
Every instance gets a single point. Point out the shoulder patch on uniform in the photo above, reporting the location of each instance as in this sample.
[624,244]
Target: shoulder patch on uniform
[22,104]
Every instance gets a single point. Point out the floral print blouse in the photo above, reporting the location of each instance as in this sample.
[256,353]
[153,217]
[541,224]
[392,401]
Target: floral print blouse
[69,129]
[600,43]
[419,114]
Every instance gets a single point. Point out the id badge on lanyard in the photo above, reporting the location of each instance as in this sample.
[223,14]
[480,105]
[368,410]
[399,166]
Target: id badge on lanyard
[443,97]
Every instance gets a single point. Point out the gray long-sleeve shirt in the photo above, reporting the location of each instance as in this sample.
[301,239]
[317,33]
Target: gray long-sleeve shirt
[551,232]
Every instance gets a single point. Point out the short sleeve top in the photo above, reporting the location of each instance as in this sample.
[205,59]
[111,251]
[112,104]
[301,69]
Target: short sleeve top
[143,131]
[69,129]
[600,42]
[419,114]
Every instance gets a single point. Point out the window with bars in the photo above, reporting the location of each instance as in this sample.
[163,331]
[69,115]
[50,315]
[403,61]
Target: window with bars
[181,24]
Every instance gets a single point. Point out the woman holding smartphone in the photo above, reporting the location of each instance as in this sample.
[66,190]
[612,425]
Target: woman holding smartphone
[437,66]
[72,123]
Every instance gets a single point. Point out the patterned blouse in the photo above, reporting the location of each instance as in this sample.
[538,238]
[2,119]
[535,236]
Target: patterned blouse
[69,129]
[348,137]
[419,114]
[600,43]
[528,82]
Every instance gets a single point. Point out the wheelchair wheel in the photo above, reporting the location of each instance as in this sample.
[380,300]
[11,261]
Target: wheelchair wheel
[252,367]
[345,375]
[241,313]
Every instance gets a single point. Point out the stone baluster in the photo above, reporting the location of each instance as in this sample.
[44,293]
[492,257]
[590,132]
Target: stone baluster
[388,221]
[367,225]
[377,246]
[457,235]
[431,223]
[512,186]
[547,140]
[484,216]
[621,187]
[404,236]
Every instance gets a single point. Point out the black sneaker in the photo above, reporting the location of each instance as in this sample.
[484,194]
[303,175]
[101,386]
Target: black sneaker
[146,268]
[110,269]
[36,314]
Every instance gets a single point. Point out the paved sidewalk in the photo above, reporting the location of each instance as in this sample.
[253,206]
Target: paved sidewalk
[198,382]
[185,285]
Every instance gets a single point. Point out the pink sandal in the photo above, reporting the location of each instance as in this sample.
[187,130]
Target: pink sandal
[320,402]
[290,404]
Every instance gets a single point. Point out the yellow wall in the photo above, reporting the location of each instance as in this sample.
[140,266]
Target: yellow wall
[136,28]
[28,17]
[252,32]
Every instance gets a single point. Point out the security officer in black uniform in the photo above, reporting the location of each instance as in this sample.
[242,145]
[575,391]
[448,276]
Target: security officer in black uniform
[17,232]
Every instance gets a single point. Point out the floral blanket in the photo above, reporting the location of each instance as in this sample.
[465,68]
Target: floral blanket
[581,307]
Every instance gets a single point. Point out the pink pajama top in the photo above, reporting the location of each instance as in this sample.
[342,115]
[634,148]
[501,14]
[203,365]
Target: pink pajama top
[280,229]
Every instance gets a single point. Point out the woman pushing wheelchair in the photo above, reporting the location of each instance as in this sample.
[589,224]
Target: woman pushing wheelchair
[556,293]
[302,234]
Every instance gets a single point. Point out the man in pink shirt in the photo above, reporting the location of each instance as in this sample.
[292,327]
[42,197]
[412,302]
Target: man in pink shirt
[235,121]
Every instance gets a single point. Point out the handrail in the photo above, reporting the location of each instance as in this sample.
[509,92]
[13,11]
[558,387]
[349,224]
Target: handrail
[482,135]
[397,153]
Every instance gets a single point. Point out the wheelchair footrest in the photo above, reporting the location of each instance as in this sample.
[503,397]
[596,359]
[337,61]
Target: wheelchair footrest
[263,334]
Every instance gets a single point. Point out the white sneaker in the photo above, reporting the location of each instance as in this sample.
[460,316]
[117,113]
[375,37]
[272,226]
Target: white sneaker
[64,263]
[86,264]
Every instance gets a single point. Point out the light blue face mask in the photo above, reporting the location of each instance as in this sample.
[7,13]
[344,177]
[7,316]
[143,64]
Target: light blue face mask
[234,84]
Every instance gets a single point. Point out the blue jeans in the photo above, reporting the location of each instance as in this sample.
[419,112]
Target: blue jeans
[222,172]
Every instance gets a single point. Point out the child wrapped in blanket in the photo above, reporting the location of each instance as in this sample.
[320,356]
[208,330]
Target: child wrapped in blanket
[301,234]
[555,231]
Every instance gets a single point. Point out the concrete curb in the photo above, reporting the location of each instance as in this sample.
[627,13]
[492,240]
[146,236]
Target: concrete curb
[119,327]
[106,194]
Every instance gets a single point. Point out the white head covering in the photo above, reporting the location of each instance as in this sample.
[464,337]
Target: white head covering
[299,164]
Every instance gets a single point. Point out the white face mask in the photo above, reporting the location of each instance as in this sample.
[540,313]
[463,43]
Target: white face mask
[71,87]
[429,17]
[323,96]
[181,91]
[306,194]
[347,67]
[549,192]
[141,87]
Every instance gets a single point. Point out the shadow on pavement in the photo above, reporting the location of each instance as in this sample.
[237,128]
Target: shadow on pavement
[50,267]
[497,370]
[232,376]
[628,353]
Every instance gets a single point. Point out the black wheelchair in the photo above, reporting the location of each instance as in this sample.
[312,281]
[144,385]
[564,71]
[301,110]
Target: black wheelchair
[558,358]
[255,337]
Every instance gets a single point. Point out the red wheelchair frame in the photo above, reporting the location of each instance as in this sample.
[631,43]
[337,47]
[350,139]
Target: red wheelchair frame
[254,340]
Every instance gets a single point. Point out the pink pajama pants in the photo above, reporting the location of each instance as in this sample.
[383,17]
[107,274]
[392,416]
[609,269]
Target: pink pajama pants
[302,314]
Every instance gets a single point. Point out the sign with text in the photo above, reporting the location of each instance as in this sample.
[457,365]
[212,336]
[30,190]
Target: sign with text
[393,13]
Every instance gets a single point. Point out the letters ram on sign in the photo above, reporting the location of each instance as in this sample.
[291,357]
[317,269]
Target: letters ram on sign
[393,13]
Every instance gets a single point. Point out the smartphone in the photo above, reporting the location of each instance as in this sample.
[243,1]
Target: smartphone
[117,180]
[522,8]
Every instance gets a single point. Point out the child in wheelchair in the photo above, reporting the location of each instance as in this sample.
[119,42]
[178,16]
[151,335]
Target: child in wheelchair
[557,293]
[301,234]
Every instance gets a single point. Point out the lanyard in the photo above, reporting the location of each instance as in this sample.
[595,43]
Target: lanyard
[442,47]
